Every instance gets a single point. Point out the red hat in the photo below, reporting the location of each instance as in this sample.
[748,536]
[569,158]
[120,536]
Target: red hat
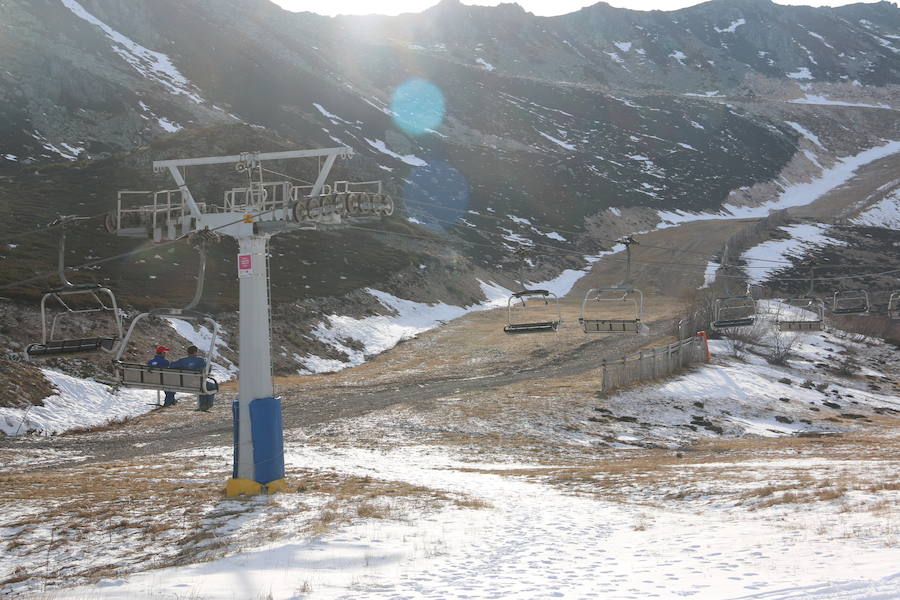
[161,349]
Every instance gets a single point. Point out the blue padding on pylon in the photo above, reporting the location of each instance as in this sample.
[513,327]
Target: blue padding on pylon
[235,421]
[268,442]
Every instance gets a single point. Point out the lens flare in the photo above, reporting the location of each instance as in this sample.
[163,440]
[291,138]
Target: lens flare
[418,105]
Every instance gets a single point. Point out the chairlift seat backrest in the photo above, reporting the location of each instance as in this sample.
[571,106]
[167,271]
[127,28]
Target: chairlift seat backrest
[136,375]
[69,347]
[611,325]
[799,325]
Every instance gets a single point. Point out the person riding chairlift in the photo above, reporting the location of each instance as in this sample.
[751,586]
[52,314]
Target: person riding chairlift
[160,360]
[195,363]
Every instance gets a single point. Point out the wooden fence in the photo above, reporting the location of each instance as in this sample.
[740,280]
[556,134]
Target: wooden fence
[653,363]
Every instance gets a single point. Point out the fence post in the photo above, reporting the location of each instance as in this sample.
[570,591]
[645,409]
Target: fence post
[604,384]
[655,363]
[668,359]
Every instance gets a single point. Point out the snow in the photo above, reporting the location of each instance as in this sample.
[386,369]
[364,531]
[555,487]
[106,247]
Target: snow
[801,239]
[733,27]
[333,117]
[169,125]
[12,157]
[679,56]
[409,159]
[801,73]
[885,213]
[555,236]
[709,274]
[615,57]
[485,64]
[710,94]
[152,65]
[519,220]
[378,333]
[557,141]
[78,403]
[200,336]
[814,99]
[806,133]
[799,194]
[623,46]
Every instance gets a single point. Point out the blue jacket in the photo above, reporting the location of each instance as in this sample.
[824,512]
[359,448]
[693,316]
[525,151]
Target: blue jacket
[159,361]
[194,363]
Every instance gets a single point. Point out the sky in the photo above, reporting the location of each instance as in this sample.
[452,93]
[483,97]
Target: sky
[538,7]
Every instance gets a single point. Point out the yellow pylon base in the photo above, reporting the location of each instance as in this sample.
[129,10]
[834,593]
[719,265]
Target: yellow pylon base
[237,486]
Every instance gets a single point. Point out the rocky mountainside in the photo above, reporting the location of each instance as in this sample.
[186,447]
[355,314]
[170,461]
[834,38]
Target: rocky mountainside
[516,144]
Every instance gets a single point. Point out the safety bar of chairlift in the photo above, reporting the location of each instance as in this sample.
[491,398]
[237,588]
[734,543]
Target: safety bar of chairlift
[541,325]
[819,309]
[639,303]
[893,307]
[76,289]
[860,295]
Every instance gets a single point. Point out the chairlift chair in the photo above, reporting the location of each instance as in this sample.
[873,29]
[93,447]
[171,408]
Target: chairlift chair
[850,302]
[627,295]
[532,326]
[52,346]
[169,379]
[893,308]
[734,311]
[624,293]
[813,315]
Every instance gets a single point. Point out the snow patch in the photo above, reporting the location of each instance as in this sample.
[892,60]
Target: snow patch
[733,27]
[409,159]
[78,403]
[152,65]
[485,64]
[558,141]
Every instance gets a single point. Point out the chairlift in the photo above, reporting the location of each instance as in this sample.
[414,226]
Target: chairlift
[850,302]
[52,346]
[169,379]
[532,326]
[733,311]
[813,315]
[610,296]
[813,310]
[893,308]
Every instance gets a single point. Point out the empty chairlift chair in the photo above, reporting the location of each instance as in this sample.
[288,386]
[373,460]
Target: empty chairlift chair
[533,323]
[624,295]
[734,311]
[598,321]
[100,301]
[850,302]
[809,315]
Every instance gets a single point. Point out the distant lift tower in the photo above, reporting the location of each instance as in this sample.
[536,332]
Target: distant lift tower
[252,214]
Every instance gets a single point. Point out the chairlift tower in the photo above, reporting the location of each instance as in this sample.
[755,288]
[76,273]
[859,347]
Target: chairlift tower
[252,215]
